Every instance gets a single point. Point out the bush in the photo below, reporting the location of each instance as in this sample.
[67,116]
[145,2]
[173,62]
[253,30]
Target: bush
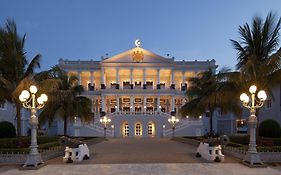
[7,130]
[240,139]
[269,128]
[24,142]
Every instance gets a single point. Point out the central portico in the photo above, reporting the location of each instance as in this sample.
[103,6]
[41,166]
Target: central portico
[137,89]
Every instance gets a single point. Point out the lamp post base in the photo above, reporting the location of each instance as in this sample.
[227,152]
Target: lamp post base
[33,161]
[253,160]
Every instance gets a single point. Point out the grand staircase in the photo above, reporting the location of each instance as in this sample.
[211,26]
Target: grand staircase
[96,128]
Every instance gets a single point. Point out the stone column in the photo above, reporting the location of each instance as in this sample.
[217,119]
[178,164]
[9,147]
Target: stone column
[91,81]
[173,105]
[172,79]
[92,78]
[117,78]
[158,78]
[132,104]
[103,106]
[158,104]
[131,78]
[117,103]
[183,78]
[144,104]
[144,78]
[183,81]
[103,86]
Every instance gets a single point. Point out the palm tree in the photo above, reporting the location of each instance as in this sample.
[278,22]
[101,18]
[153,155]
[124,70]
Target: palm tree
[257,54]
[66,102]
[14,67]
[208,92]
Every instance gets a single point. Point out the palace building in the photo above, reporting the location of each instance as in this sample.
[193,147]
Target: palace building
[139,91]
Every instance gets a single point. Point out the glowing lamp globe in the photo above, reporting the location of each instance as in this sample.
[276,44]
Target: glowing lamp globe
[44,97]
[21,98]
[262,95]
[253,89]
[33,89]
[244,98]
[25,94]
[40,101]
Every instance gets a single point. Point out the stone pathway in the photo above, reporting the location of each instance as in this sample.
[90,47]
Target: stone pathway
[146,169]
[141,150]
[143,156]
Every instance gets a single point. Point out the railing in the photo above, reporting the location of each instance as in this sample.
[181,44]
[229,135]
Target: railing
[137,113]
[99,129]
[240,152]
[19,158]
[113,87]
[182,125]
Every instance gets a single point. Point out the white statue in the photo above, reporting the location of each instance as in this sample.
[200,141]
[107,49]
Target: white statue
[76,154]
[210,153]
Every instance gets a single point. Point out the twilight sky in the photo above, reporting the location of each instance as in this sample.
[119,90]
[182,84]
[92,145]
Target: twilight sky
[193,29]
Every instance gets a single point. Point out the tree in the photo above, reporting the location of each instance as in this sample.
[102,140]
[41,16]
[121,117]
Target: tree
[66,102]
[14,67]
[257,54]
[208,92]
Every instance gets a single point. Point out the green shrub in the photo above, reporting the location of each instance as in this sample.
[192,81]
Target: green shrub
[240,139]
[232,144]
[269,149]
[47,139]
[24,142]
[7,130]
[269,128]
[48,145]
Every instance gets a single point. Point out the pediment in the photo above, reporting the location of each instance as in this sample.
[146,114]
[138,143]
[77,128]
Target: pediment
[137,55]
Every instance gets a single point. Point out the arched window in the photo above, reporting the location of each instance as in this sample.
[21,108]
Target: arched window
[125,129]
[138,129]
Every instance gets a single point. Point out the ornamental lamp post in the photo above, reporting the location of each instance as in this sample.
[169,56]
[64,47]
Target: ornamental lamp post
[252,157]
[105,121]
[173,121]
[29,101]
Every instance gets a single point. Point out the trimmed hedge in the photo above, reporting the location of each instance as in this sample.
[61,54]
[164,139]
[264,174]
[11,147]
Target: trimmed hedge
[7,130]
[242,139]
[270,128]
[24,142]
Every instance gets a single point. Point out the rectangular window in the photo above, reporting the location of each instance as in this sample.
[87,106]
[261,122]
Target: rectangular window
[149,100]
[113,101]
[126,100]
[138,100]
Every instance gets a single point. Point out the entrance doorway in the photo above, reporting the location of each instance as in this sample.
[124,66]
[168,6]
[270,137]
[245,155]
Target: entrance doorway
[138,129]
[125,129]
[151,129]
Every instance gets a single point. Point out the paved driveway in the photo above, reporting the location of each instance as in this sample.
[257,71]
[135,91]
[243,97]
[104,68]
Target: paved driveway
[143,157]
[142,150]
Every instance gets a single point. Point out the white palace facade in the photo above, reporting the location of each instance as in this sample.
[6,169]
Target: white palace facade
[138,90]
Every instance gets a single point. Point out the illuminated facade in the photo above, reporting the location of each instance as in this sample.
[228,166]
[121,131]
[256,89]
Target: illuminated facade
[138,90]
